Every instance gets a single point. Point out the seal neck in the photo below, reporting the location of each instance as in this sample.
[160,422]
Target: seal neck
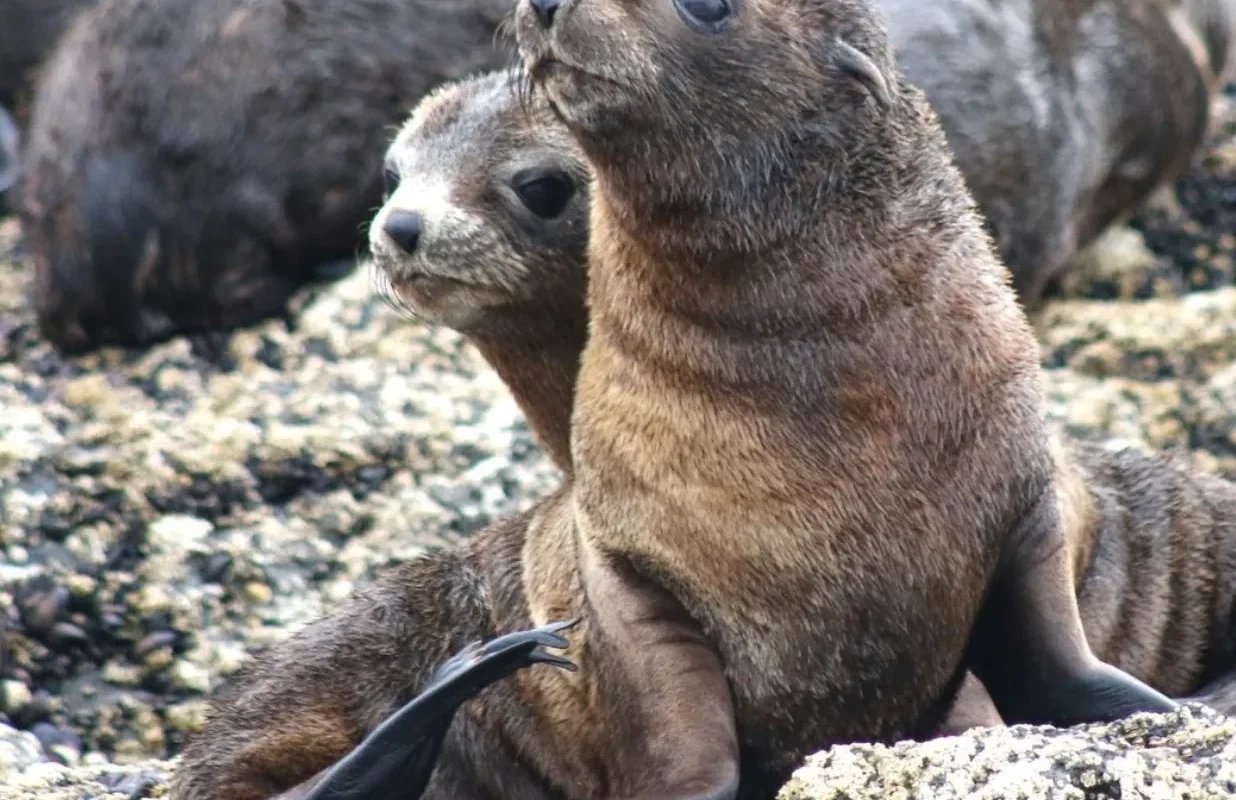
[536,353]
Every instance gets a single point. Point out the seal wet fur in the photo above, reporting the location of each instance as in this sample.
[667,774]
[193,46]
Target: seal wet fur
[190,165]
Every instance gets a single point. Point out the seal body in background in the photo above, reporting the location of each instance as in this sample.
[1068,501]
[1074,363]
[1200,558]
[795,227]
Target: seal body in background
[192,164]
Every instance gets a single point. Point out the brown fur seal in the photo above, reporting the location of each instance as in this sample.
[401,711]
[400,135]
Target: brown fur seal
[190,165]
[789,275]
[302,698]
[1064,115]
[1153,543]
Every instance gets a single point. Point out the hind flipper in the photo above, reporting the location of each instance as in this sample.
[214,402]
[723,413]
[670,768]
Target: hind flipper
[396,761]
[1029,648]
[303,705]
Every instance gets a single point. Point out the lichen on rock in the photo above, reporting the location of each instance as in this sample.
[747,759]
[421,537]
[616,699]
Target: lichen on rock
[1190,753]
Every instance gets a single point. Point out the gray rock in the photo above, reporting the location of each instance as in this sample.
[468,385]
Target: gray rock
[46,781]
[1188,754]
[18,750]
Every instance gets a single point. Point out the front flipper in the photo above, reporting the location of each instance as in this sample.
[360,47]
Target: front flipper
[679,709]
[1029,648]
[396,761]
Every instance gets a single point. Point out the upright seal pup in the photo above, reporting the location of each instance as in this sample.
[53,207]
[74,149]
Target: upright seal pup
[806,372]
[192,164]
[1153,543]
[1064,116]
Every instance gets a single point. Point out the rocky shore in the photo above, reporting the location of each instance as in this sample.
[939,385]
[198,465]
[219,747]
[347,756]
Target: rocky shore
[165,513]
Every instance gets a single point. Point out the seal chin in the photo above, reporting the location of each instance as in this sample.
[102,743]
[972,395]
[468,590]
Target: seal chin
[443,301]
[422,291]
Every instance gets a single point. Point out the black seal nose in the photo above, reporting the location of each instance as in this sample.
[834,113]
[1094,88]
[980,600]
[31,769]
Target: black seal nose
[404,227]
[545,10]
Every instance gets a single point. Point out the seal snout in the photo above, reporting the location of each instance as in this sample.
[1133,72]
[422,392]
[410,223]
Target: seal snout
[404,229]
[545,11]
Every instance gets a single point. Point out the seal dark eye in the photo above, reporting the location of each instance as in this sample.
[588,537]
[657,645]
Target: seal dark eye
[544,193]
[705,14]
[390,180]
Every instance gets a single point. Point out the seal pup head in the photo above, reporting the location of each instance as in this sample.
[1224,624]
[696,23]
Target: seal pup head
[486,210]
[707,107]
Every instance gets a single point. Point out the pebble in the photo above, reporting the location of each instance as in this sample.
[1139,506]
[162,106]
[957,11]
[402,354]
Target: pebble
[15,696]
[187,675]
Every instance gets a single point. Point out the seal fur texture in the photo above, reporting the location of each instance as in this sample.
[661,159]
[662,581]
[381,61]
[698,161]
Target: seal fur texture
[1152,540]
[1064,115]
[806,373]
[192,164]
[265,732]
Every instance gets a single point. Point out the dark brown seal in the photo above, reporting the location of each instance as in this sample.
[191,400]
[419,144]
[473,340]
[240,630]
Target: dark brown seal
[809,406]
[190,165]
[1064,115]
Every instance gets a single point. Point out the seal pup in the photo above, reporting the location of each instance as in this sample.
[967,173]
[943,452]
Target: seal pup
[308,702]
[1152,540]
[1064,116]
[190,165]
[485,231]
[805,372]
[283,712]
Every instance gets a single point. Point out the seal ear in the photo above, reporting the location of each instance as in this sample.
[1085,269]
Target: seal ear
[857,65]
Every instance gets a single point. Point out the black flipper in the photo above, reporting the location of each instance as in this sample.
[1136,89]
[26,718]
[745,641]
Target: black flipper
[396,761]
